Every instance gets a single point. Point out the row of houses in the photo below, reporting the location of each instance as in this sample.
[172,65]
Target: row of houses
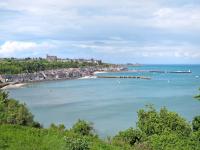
[56,74]
[71,73]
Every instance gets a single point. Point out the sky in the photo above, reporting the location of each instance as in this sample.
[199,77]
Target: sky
[116,31]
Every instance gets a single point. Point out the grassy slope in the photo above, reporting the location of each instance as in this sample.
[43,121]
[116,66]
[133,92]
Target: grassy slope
[14,137]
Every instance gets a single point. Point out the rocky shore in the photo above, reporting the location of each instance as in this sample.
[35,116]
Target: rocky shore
[57,74]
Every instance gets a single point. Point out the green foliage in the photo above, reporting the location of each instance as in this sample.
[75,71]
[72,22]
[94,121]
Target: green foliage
[11,66]
[196,136]
[15,137]
[83,127]
[129,136]
[173,141]
[77,143]
[153,122]
[196,123]
[12,112]
[60,128]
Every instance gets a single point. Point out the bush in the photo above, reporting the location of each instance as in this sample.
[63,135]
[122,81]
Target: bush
[153,122]
[172,141]
[60,128]
[130,136]
[12,112]
[83,128]
[77,143]
[196,123]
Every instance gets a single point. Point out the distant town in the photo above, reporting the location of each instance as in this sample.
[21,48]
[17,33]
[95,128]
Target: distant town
[55,58]
[24,70]
[52,58]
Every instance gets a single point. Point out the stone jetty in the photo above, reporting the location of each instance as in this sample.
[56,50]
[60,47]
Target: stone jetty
[133,77]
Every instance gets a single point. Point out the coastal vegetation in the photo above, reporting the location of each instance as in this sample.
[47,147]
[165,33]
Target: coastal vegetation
[13,66]
[155,130]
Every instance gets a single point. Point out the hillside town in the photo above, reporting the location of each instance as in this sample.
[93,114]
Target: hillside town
[52,58]
[58,73]
[55,58]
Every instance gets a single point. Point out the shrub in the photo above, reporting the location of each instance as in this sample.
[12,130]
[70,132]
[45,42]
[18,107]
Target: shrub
[76,143]
[172,141]
[153,122]
[60,128]
[83,127]
[130,136]
[12,112]
[196,123]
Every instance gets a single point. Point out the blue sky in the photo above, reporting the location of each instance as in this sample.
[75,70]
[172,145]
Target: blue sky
[117,31]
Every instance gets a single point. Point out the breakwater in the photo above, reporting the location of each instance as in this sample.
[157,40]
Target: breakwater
[133,77]
[161,71]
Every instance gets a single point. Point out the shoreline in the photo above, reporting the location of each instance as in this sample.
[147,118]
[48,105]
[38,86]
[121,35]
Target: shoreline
[99,72]
[13,86]
[20,80]
[88,77]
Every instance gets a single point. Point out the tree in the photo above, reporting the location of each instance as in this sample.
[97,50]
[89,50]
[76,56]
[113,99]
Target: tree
[172,141]
[12,112]
[60,128]
[153,122]
[83,127]
[130,136]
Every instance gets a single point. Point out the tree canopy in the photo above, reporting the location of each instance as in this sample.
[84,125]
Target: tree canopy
[12,66]
[12,112]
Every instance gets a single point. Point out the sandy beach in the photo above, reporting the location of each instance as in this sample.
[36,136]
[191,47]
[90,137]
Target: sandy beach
[11,86]
[98,72]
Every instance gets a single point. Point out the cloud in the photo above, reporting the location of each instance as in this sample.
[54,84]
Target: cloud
[53,18]
[114,50]
[106,29]
[178,18]
[124,48]
[13,48]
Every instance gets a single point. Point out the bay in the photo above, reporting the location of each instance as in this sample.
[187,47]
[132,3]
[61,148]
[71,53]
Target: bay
[112,104]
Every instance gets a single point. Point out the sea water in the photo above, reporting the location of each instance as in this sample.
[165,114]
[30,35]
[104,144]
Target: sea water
[112,104]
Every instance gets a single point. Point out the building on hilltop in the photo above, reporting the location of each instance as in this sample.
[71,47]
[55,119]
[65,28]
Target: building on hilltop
[51,58]
[79,60]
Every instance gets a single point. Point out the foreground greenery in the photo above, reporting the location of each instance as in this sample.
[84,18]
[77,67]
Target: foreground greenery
[12,66]
[155,130]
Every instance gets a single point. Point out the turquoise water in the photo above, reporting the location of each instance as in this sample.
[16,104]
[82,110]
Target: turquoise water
[112,104]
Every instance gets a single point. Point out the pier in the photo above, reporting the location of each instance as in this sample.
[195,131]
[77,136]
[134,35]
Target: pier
[132,77]
[160,71]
